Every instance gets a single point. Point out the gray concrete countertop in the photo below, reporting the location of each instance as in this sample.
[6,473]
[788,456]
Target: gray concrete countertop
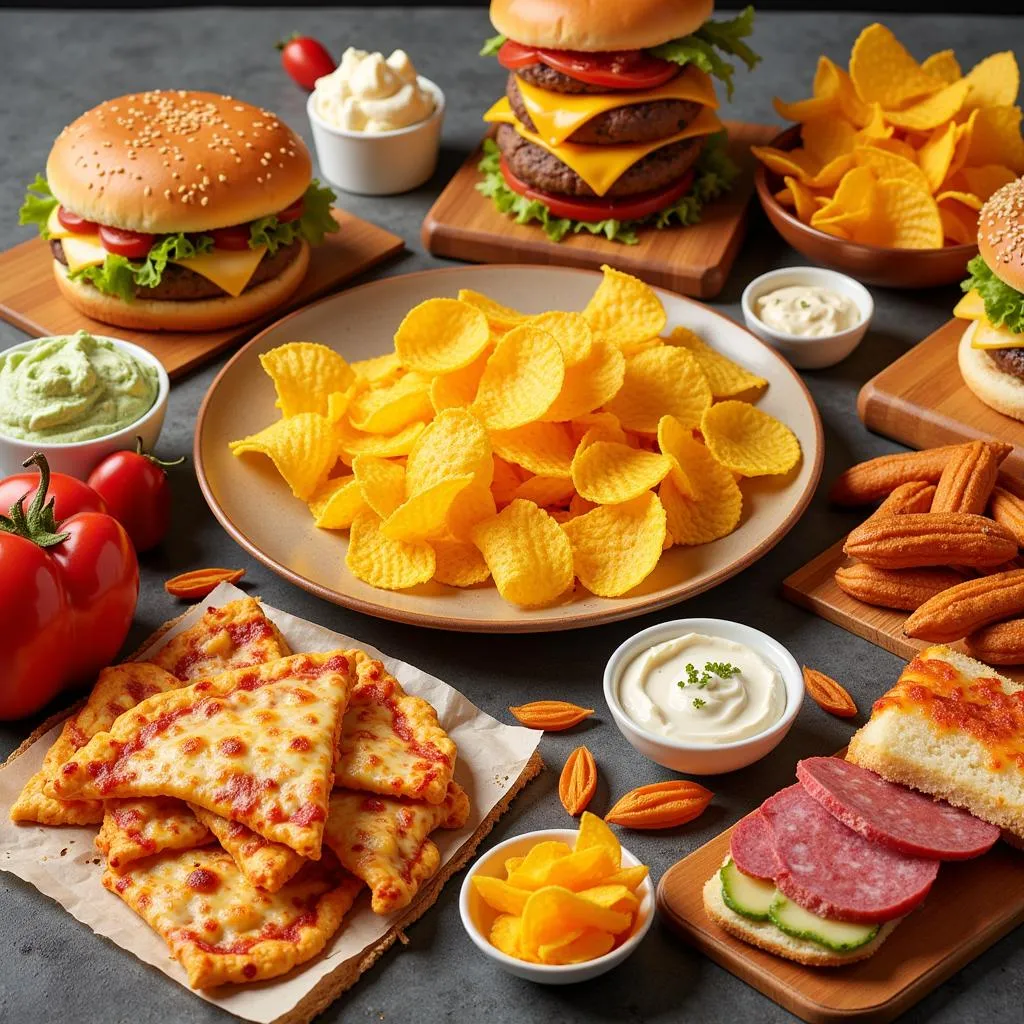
[58,64]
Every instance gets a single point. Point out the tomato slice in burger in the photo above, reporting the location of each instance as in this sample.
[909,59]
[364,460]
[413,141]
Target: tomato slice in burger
[235,237]
[133,244]
[584,208]
[290,213]
[75,223]
[613,69]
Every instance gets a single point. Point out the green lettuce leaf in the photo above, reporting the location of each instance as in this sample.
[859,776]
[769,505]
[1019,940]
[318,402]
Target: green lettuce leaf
[1004,306]
[315,222]
[492,46]
[703,46]
[715,173]
[38,205]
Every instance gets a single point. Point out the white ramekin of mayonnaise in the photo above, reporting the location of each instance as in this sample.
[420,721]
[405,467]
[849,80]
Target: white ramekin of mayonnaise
[376,124]
[703,696]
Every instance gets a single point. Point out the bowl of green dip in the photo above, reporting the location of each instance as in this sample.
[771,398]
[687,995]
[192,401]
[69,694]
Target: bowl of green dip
[77,398]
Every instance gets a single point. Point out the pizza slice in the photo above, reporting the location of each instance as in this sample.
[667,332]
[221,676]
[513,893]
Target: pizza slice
[133,829]
[383,840]
[255,745]
[264,864]
[391,742]
[221,929]
[118,689]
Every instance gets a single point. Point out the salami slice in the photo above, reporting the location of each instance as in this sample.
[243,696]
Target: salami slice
[750,846]
[830,870]
[893,815]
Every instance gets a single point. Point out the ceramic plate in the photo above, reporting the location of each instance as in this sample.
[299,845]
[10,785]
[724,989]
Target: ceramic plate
[256,507]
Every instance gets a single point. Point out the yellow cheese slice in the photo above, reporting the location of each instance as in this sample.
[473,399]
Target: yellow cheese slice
[57,230]
[601,166]
[227,268]
[556,116]
[83,251]
[970,307]
[986,336]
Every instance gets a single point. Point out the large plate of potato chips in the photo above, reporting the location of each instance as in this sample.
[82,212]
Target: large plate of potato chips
[507,448]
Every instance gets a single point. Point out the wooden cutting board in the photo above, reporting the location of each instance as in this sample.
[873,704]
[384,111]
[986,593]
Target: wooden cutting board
[29,298]
[814,587]
[922,401]
[972,905]
[694,260]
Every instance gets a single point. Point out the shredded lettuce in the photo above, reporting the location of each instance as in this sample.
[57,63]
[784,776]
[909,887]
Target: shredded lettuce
[38,205]
[715,174]
[315,222]
[492,46]
[1004,306]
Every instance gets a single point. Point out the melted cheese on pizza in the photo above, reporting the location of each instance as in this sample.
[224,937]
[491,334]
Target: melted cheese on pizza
[223,930]
[256,745]
[133,829]
[391,742]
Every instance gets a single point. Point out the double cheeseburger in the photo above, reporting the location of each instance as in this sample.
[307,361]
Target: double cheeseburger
[608,117]
[991,352]
[175,210]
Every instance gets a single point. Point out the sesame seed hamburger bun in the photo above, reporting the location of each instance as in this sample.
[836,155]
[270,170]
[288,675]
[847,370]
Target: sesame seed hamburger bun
[998,389]
[172,160]
[598,25]
[1001,234]
[194,315]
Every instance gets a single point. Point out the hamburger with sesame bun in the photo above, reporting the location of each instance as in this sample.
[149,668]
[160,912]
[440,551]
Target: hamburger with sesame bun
[991,353]
[178,211]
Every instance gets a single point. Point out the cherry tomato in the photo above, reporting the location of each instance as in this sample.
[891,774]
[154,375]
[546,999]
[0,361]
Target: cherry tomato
[75,223]
[70,494]
[234,238]
[290,213]
[133,244]
[591,209]
[135,488]
[614,69]
[305,59]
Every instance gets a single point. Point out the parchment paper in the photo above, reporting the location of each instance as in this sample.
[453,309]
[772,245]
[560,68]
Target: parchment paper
[63,864]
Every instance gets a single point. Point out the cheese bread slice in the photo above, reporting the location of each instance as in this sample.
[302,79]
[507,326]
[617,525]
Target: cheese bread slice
[953,728]
[118,689]
[256,745]
[383,840]
[265,865]
[133,829]
[221,929]
[391,742]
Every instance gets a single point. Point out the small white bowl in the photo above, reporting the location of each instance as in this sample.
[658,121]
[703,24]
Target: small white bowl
[477,916]
[379,163]
[809,353]
[696,758]
[79,458]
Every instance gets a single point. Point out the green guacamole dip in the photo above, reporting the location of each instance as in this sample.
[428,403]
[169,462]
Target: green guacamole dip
[73,388]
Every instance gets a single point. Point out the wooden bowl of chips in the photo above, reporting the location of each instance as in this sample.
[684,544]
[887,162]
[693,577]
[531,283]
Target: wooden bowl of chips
[871,264]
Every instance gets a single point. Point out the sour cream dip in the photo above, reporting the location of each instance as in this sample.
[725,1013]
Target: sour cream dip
[807,311]
[701,689]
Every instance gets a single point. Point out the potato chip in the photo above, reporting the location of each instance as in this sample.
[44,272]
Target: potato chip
[457,390]
[571,331]
[589,384]
[335,503]
[854,200]
[996,138]
[785,196]
[933,111]
[943,66]
[501,318]
[506,936]
[968,199]
[424,515]
[458,563]
[338,402]
[576,947]
[884,72]
[911,214]
[388,446]
[616,547]
[725,378]
[612,897]
[523,377]
[796,163]
[897,146]
[304,375]
[608,473]
[748,441]
[994,82]
[500,896]
[596,426]
[546,449]
[390,407]
[505,482]
[959,223]
[453,444]
[471,506]
[381,483]
[303,449]
[551,911]
[663,381]
[984,182]
[387,564]
[383,369]
[546,490]
[672,435]
[886,164]
[581,869]
[594,831]
[580,506]
[631,878]
[441,335]
[877,127]
[527,552]
[632,348]
[803,198]
[936,156]
[624,309]
[826,138]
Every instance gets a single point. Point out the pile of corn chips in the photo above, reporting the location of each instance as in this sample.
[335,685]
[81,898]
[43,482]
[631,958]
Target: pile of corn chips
[562,904]
[531,450]
[900,154]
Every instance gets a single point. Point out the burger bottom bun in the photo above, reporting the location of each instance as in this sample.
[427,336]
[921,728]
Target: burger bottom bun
[184,315]
[996,388]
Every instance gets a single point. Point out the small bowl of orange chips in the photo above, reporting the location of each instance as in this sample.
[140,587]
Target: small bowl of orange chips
[558,906]
[891,160]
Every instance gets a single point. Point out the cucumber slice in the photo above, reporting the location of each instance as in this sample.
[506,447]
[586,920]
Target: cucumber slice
[841,936]
[746,895]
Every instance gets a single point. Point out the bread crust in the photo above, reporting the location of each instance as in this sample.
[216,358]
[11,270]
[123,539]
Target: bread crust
[1001,391]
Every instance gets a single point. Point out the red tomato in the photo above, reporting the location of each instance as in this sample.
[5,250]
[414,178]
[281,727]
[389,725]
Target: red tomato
[305,59]
[290,213]
[614,69]
[70,495]
[586,209]
[133,244]
[134,486]
[235,238]
[75,223]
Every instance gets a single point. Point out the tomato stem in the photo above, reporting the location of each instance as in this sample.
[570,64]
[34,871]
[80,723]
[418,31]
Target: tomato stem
[162,463]
[38,524]
[282,43]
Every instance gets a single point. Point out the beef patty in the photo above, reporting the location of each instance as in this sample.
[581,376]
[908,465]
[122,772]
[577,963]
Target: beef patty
[537,167]
[544,77]
[179,284]
[638,122]
[1009,360]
